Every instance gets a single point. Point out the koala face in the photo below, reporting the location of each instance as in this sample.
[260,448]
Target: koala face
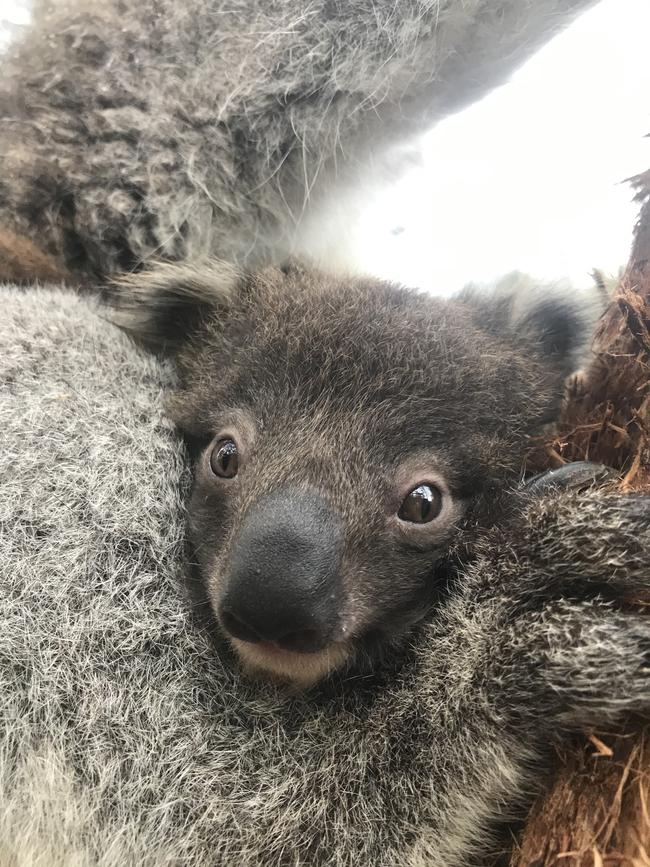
[316,531]
[350,437]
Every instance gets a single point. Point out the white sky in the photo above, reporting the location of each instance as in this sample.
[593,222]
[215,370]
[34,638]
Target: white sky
[11,12]
[530,177]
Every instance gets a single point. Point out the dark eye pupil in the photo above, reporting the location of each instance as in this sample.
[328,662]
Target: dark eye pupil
[224,459]
[422,505]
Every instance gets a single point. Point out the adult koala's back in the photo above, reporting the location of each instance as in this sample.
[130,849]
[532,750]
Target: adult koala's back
[158,128]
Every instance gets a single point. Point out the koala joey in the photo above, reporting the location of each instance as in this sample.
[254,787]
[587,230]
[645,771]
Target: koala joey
[358,532]
[354,443]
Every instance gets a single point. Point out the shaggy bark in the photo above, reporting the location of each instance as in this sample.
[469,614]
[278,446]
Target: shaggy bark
[598,808]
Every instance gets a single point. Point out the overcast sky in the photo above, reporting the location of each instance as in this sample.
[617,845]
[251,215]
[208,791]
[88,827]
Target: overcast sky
[529,178]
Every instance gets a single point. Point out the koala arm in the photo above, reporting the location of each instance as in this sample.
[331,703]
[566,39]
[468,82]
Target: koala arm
[179,129]
[566,578]
[568,543]
[574,565]
[537,643]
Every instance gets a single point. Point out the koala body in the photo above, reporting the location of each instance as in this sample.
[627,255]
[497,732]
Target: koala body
[352,441]
[130,734]
[175,130]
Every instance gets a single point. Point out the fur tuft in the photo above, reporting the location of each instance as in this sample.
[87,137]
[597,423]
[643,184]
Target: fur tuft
[160,306]
[554,321]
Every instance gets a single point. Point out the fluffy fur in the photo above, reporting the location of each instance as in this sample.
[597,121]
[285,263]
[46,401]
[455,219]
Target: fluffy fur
[128,735]
[129,738]
[178,129]
[350,392]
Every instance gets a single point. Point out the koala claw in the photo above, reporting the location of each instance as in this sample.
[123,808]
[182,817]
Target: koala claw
[573,476]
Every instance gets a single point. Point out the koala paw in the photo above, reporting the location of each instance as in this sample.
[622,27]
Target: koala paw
[579,535]
[574,539]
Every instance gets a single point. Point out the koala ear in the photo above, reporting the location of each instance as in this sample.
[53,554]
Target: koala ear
[161,306]
[552,321]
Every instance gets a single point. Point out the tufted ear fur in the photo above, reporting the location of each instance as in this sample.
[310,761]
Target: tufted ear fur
[553,321]
[160,306]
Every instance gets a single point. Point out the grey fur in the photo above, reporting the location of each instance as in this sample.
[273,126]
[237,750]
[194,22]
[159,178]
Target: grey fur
[160,128]
[128,738]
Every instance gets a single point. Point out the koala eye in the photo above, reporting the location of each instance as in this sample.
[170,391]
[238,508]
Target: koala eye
[224,460]
[421,505]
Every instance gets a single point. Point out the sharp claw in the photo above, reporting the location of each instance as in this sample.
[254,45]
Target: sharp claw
[574,476]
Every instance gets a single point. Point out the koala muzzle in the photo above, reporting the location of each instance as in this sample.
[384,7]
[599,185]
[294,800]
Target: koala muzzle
[284,583]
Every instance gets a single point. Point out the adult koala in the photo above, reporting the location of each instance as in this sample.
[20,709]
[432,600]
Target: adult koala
[167,129]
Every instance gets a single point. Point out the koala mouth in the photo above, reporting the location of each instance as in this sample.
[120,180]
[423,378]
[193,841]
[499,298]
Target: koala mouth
[273,649]
[303,668]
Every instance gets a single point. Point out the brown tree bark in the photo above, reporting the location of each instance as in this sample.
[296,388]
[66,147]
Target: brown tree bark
[597,811]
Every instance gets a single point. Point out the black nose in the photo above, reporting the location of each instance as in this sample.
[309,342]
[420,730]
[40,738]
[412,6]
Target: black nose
[284,582]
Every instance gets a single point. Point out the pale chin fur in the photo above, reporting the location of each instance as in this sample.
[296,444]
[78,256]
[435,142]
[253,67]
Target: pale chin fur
[301,669]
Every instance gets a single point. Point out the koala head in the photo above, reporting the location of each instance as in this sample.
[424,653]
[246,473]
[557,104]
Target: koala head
[351,437]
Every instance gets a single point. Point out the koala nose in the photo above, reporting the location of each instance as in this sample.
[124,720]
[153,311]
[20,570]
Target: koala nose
[284,582]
